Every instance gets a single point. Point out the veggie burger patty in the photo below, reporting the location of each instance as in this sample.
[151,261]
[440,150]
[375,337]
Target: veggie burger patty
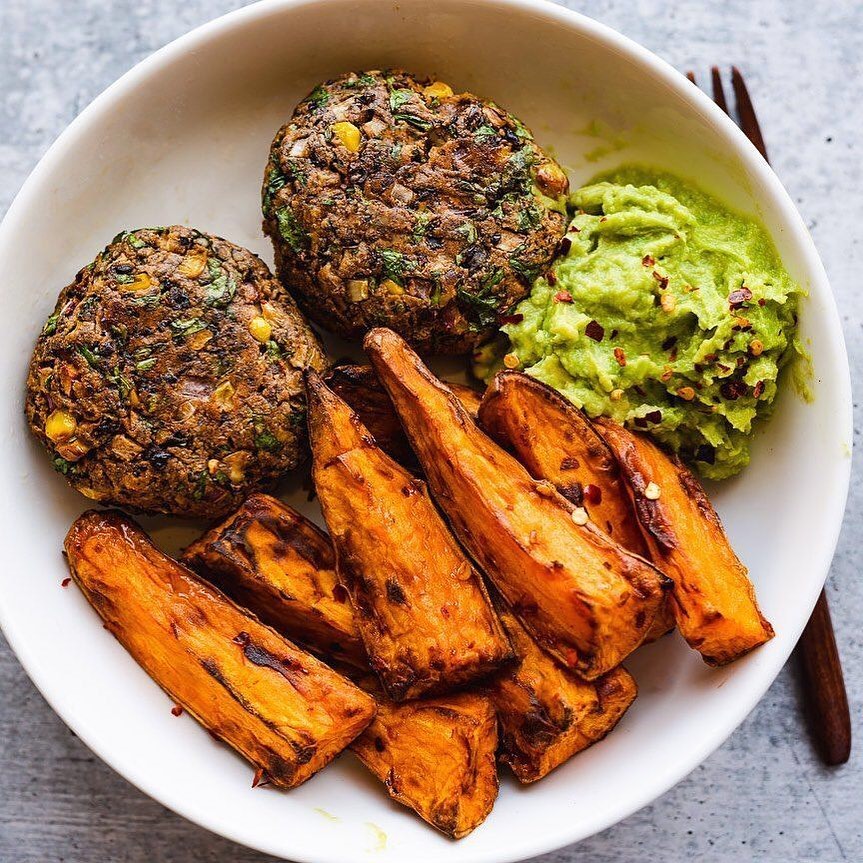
[169,377]
[395,202]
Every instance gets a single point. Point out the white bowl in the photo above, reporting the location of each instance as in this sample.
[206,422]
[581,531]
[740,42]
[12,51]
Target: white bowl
[183,137]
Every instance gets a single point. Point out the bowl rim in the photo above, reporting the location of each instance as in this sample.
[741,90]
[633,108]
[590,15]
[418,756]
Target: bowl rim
[835,356]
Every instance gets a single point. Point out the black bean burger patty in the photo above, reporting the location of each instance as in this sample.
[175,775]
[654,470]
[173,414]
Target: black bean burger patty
[169,378]
[394,202]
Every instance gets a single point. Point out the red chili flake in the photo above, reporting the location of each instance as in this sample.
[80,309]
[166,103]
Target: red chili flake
[620,356]
[260,778]
[176,710]
[65,582]
[242,638]
[762,302]
[593,494]
[739,297]
[758,389]
[711,358]
[551,278]
[741,361]
[594,330]
[565,245]
[663,280]
[604,219]
[672,357]
[648,261]
[511,319]
[654,416]
[563,297]
[732,390]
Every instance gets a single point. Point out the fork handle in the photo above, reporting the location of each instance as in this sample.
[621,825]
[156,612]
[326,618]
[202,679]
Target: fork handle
[824,688]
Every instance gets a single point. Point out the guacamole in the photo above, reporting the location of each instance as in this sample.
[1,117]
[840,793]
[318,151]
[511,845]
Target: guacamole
[666,311]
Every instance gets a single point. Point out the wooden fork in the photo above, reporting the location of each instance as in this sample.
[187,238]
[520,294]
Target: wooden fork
[824,696]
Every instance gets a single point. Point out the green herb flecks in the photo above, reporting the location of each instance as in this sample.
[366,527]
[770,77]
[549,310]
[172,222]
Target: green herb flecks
[184,328]
[468,231]
[145,365]
[413,120]
[62,466]
[318,97]
[272,350]
[530,218]
[124,278]
[394,264]
[201,485]
[363,80]
[89,355]
[527,271]
[485,132]
[51,325]
[222,287]
[291,230]
[121,382]
[421,225]
[399,98]
[275,181]
[266,440]
[479,307]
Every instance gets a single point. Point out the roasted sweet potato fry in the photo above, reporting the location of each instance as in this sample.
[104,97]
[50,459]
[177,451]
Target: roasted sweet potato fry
[273,561]
[360,388]
[437,756]
[555,441]
[714,601]
[547,713]
[584,598]
[277,705]
[421,607]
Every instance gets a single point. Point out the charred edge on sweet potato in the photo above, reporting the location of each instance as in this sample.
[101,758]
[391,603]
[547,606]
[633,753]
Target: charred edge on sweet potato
[284,710]
[555,441]
[437,756]
[365,395]
[713,599]
[584,598]
[275,562]
[421,607]
[548,714]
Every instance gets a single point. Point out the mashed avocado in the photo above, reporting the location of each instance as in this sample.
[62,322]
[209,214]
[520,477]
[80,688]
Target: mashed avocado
[666,311]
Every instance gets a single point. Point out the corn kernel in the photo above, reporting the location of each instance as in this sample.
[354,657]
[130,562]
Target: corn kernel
[756,347]
[348,134]
[511,361]
[616,395]
[652,491]
[140,282]
[358,290]
[261,329]
[686,393]
[193,264]
[60,426]
[197,340]
[438,90]
[392,288]
[223,395]
[668,303]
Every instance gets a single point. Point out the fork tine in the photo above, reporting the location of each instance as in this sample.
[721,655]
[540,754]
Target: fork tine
[718,91]
[748,120]
[691,75]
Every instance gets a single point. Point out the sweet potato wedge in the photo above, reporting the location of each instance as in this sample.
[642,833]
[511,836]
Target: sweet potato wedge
[714,601]
[360,388]
[437,756]
[270,559]
[584,598]
[421,607]
[546,713]
[284,710]
[555,441]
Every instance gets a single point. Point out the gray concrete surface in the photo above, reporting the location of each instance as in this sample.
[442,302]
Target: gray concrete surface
[763,796]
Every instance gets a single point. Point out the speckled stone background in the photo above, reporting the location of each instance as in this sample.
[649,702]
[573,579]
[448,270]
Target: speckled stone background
[763,796]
